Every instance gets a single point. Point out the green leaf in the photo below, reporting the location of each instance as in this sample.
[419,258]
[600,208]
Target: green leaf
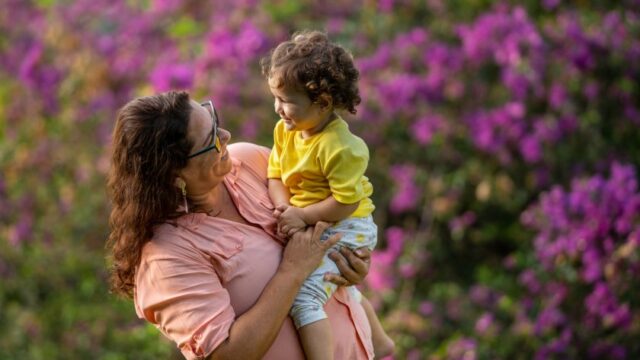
[185,27]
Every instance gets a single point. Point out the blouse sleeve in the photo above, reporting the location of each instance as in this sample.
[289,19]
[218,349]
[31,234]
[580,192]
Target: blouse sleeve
[181,294]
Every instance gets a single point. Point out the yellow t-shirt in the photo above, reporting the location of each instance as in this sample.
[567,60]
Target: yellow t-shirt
[331,162]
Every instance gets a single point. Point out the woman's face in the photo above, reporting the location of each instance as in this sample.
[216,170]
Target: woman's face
[205,171]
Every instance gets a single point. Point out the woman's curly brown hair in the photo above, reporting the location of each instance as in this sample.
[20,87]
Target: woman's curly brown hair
[310,62]
[150,145]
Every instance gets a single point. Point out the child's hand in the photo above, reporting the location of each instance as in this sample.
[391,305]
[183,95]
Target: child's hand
[276,213]
[291,219]
[279,209]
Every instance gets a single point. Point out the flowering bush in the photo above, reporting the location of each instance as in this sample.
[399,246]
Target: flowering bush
[588,261]
[504,158]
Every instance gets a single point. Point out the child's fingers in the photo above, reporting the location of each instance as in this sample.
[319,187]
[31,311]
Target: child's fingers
[288,229]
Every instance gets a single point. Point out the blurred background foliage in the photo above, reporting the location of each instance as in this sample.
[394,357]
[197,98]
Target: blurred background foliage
[504,155]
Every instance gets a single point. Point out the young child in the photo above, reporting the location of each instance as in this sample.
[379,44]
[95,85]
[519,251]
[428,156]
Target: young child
[316,171]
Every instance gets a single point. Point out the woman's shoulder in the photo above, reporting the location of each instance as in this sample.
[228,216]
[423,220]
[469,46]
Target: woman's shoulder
[163,241]
[249,152]
[256,157]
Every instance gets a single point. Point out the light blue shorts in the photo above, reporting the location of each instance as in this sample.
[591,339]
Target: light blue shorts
[308,306]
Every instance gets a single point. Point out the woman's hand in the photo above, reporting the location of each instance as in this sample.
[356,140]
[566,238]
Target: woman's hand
[353,266]
[305,250]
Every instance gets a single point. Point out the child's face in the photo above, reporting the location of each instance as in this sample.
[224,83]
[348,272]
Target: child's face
[297,110]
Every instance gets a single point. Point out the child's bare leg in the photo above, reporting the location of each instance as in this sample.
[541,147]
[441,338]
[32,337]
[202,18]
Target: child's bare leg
[317,340]
[382,343]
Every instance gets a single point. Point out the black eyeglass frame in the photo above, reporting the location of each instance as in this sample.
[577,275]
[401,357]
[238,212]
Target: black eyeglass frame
[215,139]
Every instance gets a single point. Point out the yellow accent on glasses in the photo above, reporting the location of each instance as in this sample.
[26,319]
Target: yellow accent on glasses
[215,142]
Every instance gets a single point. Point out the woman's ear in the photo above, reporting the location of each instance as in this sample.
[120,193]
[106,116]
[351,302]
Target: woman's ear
[179,183]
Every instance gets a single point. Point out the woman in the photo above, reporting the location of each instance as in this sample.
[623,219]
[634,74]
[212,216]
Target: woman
[194,240]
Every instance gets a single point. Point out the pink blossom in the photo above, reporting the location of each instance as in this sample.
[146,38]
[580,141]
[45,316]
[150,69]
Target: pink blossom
[484,322]
[424,128]
[426,308]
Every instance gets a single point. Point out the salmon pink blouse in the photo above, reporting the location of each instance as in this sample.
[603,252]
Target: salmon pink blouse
[199,273]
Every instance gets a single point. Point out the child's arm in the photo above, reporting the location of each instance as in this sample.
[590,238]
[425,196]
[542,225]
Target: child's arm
[278,193]
[329,210]
[280,196]
[293,218]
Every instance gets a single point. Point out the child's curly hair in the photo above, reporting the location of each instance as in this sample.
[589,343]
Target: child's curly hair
[310,62]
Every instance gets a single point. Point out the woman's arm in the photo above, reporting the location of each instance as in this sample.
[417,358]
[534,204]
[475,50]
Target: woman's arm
[260,325]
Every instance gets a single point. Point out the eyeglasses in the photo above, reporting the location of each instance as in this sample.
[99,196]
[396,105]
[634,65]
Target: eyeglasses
[215,141]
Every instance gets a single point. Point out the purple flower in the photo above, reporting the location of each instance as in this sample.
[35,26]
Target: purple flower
[407,194]
[530,149]
[603,304]
[249,129]
[166,5]
[426,308]
[462,349]
[460,223]
[601,349]
[424,128]
[407,270]
[550,4]
[380,277]
[386,5]
[557,96]
[172,76]
[399,91]
[529,280]
[548,319]
[484,323]
[379,60]
[22,230]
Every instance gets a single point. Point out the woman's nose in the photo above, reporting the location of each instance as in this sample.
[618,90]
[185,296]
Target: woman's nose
[224,135]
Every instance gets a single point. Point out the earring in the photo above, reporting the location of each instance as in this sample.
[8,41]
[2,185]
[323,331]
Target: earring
[183,187]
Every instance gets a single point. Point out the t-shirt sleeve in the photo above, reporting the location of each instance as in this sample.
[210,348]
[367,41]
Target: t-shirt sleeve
[274,171]
[344,167]
[183,297]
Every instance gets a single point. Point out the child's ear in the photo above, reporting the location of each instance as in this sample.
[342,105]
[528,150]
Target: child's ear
[325,101]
